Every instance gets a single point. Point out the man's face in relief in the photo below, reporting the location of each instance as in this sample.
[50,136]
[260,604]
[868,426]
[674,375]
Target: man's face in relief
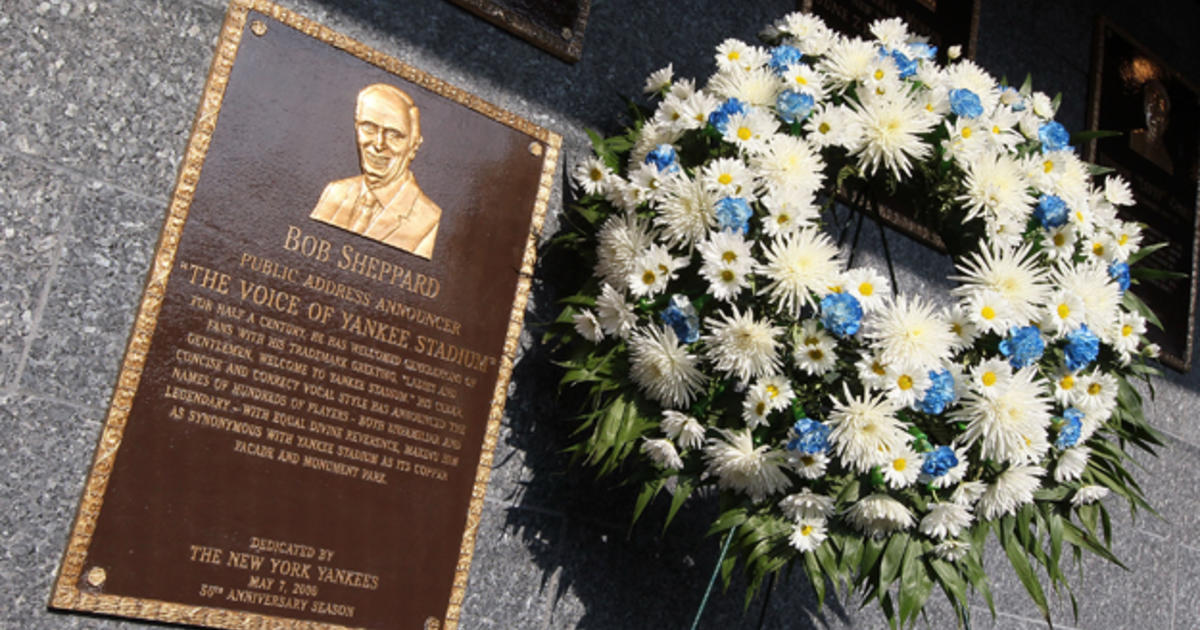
[388,135]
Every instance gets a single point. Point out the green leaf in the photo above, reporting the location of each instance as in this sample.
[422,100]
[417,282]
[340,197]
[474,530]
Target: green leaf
[683,490]
[1145,251]
[1020,563]
[649,490]
[913,583]
[893,555]
[951,580]
[872,549]
[728,520]
[1083,540]
[815,577]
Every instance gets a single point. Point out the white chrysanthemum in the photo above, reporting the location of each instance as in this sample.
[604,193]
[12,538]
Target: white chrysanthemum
[1100,294]
[806,505]
[662,368]
[662,453]
[807,535]
[622,238]
[995,183]
[1071,464]
[991,377]
[1010,425]
[902,469]
[686,211]
[891,32]
[728,177]
[799,265]
[967,75]
[614,314]
[652,270]
[588,326]
[1117,192]
[812,36]
[649,138]
[684,429]
[659,80]
[1089,494]
[756,86]
[740,466]
[890,129]
[865,431]
[849,60]
[789,165]
[951,550]
[1014,274]
[592,176]
[752,131]
[808,466]
[968,493]
[741,346]
[1011,490]
[907,332]
[878,515]
[945,520]
[868,286]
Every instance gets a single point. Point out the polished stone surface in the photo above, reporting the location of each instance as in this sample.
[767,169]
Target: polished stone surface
[96,102]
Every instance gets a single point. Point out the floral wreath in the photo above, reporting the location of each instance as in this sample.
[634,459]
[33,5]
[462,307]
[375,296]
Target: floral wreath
[872,439]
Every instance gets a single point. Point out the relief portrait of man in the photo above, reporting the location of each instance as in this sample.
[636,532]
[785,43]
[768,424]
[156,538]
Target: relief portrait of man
[384,203]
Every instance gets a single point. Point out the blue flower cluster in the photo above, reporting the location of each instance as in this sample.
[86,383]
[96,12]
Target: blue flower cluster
[812,437]
[841,314]
[908,67]
[1051,211]
[1083,346]
[720,116]
[782,57]
[1119,271]
[681,316]
[921,50]
[664,158]
[1054,137]
[1023,346]
[794,106]
[965,103]
[939,461]
[733,214]
[939,394]
[1068,433]
[1011,95]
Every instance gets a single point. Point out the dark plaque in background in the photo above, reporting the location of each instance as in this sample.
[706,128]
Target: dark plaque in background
[1157,112]
[553,25]
[944,23]
[302,430]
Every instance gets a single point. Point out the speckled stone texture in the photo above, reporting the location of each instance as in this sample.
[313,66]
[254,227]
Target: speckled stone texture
[96,100]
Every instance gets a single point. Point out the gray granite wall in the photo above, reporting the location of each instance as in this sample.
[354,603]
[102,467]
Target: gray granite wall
[96,99]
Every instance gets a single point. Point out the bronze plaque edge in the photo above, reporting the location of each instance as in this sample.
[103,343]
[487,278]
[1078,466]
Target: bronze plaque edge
[568,50]
[1092,153]
[66,594]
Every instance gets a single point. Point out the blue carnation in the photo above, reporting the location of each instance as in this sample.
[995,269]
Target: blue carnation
[681,316]
[1023,346]
[1083,346]
[921,50]
[939,394]
[1054,137]
[908,67]
[939,461]
[965,103]
[664,158]
[812,437]
[841,314]
[1119,271]
[1051,211]
[794,106]
[782,57]
[720,116]
[1068,433]
[733,214]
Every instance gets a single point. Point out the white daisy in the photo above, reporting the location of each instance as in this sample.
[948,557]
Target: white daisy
[684,429]
[1117,192]
[588,326]
[592,175]
[872,372]
[967,493]
[1066,390]
[662,368]
[951,550]
[965,331]
[865,431]
[728,177]
[905,384]
[989,311]
[1064,313]
[830,125]
[806,505]
[1100,295]
[868,286]
[652,270]
[799,265]
[1011,490]
[1089,494]
[662,453]
[902,469]
[807,535]
[659,80]
[879,515]
[1098,394]
[741,346]
[788,213]
[1071,464]
[1059,243]
[1126,332]
[740,466]
[991,377]
[945,520]
[809,466]
[750,132]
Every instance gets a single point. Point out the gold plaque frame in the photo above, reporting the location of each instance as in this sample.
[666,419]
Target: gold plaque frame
[67,592]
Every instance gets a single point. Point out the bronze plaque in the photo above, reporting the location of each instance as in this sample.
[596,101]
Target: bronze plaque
[303,426]
[1157,113]
[555,26]
[944,22]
